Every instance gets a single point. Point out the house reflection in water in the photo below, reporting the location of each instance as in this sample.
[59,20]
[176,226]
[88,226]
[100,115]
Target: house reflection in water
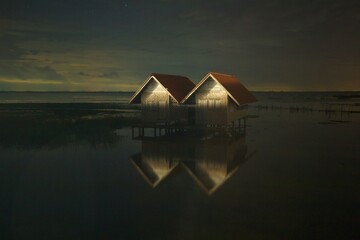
[157,160]
[215,161]
[210,160]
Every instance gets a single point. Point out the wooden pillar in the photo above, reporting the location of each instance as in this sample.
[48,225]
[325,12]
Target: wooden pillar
[155,131]
[142,132]
[244,125]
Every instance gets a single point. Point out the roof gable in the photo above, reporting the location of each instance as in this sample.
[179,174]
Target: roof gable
[177,86]
[232,86]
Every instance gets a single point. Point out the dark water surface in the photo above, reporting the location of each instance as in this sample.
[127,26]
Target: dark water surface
[79,175]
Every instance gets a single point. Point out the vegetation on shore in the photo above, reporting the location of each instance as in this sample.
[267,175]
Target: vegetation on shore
[37,125]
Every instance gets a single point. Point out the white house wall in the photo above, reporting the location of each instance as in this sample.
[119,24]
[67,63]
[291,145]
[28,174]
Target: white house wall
[211,103]
[154,102]
[159,107]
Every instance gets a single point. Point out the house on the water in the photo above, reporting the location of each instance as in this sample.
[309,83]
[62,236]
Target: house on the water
[160,97]
[219,99]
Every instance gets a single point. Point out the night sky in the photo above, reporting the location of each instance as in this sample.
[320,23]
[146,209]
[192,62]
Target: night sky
[113,45]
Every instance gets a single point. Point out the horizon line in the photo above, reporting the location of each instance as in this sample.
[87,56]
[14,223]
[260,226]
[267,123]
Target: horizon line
[260,91]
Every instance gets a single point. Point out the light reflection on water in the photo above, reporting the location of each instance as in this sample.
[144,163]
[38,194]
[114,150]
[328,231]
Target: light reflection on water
[210,161]
[302,183]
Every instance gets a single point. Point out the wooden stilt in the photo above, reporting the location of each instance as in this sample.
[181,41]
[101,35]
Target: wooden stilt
[244,125]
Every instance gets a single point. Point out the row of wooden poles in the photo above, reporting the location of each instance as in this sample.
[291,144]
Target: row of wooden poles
[157,130]
[344,108]
[168,129]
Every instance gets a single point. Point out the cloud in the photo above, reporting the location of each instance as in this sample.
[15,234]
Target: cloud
[100,75]
[28,72]
[8,48]
[266,42]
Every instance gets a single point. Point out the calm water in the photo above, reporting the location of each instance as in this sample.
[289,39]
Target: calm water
[123,97]
[65,97]
[294,175]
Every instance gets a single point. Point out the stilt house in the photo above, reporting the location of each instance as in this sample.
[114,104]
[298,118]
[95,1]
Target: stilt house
[160,97]
[219,99]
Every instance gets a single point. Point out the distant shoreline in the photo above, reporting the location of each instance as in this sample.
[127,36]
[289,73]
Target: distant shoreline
[67,91]
[102,98]
[355,91]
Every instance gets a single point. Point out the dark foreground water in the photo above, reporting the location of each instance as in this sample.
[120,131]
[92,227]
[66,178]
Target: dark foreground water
[77,174]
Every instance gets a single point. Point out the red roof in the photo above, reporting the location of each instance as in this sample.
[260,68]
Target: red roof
[177,86]
[232,85]
[235,88]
